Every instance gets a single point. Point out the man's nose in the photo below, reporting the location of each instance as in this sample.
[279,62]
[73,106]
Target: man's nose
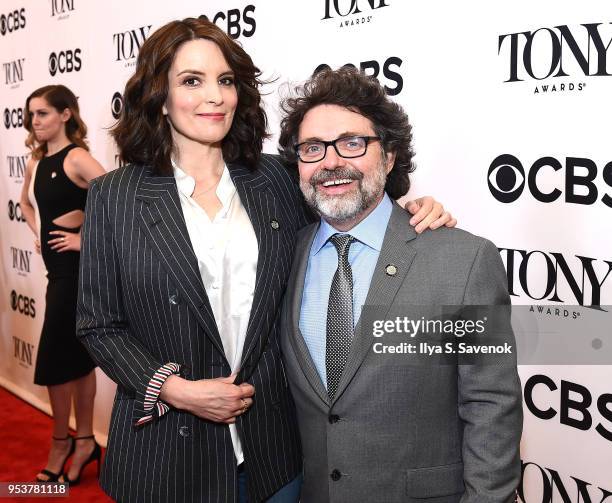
[332,160]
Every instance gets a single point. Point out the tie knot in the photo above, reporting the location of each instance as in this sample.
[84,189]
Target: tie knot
[342,242]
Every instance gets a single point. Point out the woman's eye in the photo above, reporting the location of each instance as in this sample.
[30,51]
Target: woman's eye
[191,81]
[226,81]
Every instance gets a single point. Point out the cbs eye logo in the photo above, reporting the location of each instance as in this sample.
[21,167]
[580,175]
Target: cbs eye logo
[14,211]
[116,105]
[65,61]
[506,178]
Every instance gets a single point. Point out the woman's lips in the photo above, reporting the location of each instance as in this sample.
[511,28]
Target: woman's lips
[213,117]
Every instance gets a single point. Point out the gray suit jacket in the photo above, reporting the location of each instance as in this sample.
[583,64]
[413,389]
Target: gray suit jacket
[396,433]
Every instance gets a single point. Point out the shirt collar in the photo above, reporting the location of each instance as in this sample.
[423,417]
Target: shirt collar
[186,184]
[368,231]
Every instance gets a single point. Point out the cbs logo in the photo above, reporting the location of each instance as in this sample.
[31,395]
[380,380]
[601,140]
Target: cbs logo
[373,69]
[507,179]
[14,211]
[236,23]
[13,118]
[25,305]
[65,61]
[13,21]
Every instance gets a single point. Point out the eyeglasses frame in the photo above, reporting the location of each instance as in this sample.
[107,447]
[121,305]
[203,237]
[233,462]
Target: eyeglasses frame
[332,143]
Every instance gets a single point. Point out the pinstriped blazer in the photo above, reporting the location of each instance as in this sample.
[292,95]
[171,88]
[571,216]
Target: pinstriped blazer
[142,304]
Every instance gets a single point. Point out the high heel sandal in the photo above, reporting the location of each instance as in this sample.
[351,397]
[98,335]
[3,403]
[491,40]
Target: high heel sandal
[54,477]
[95,455]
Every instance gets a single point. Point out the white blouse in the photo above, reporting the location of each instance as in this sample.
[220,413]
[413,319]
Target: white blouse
[227,252]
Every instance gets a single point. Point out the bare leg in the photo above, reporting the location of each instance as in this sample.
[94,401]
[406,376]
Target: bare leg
[84,394]
[60,398]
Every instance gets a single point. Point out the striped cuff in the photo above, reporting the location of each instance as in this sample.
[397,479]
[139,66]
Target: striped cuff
[153,407]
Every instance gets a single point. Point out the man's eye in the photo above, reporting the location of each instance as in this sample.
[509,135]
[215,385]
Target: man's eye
[312,149]
[352,143]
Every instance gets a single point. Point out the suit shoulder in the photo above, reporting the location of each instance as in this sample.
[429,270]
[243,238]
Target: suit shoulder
[455,240]
[120,181]
[272,166]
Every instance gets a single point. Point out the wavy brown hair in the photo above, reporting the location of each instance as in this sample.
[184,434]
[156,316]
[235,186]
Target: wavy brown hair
[143,133]
[60,98]
[351,89]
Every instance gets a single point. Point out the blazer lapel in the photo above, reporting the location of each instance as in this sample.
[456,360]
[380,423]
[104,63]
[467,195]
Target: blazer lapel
[163,222]
[396,251]
[261,207]
[295,291]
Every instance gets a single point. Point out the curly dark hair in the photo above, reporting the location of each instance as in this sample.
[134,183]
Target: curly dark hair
[351,89]
[142,132]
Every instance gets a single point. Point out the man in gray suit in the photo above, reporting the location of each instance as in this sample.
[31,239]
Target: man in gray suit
[376,429]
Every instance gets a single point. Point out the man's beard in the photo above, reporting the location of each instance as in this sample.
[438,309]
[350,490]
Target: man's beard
[344,207]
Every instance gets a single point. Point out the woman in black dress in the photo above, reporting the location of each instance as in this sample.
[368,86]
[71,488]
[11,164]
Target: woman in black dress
[53,199]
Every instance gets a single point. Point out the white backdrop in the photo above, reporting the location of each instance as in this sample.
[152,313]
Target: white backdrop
[478,79]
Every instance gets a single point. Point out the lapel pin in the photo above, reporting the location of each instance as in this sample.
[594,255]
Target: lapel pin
[391,270]
[53,174]
[274,224]
[174,299]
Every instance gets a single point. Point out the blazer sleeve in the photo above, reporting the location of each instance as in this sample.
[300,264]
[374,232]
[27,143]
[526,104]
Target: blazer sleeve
[101,322]
[490,398]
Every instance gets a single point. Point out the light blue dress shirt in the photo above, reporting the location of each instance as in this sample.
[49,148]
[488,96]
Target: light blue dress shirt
[322,265]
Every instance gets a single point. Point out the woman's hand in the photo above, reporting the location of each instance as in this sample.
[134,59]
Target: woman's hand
[428,213]
[218,400]
[65,241]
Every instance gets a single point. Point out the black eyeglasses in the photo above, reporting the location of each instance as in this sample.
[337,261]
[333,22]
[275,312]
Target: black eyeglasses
[348,147]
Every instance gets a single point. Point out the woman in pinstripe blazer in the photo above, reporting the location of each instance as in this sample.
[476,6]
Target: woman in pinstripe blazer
[161,268]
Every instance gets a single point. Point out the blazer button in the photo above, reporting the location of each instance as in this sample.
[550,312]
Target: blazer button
[335,475]
[186,372]
[274,224]
[333,418]
[184,431]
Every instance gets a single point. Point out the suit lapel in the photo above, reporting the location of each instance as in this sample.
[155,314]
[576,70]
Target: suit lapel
[295,290]
[163,222]
[396,251]
[261,208]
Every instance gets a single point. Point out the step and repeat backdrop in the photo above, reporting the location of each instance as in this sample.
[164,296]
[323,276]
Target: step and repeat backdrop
[510,104]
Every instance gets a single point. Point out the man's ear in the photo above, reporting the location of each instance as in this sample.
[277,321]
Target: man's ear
[389,161]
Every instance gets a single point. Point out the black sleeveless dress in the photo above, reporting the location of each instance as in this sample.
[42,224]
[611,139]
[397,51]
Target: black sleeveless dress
[61,357]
